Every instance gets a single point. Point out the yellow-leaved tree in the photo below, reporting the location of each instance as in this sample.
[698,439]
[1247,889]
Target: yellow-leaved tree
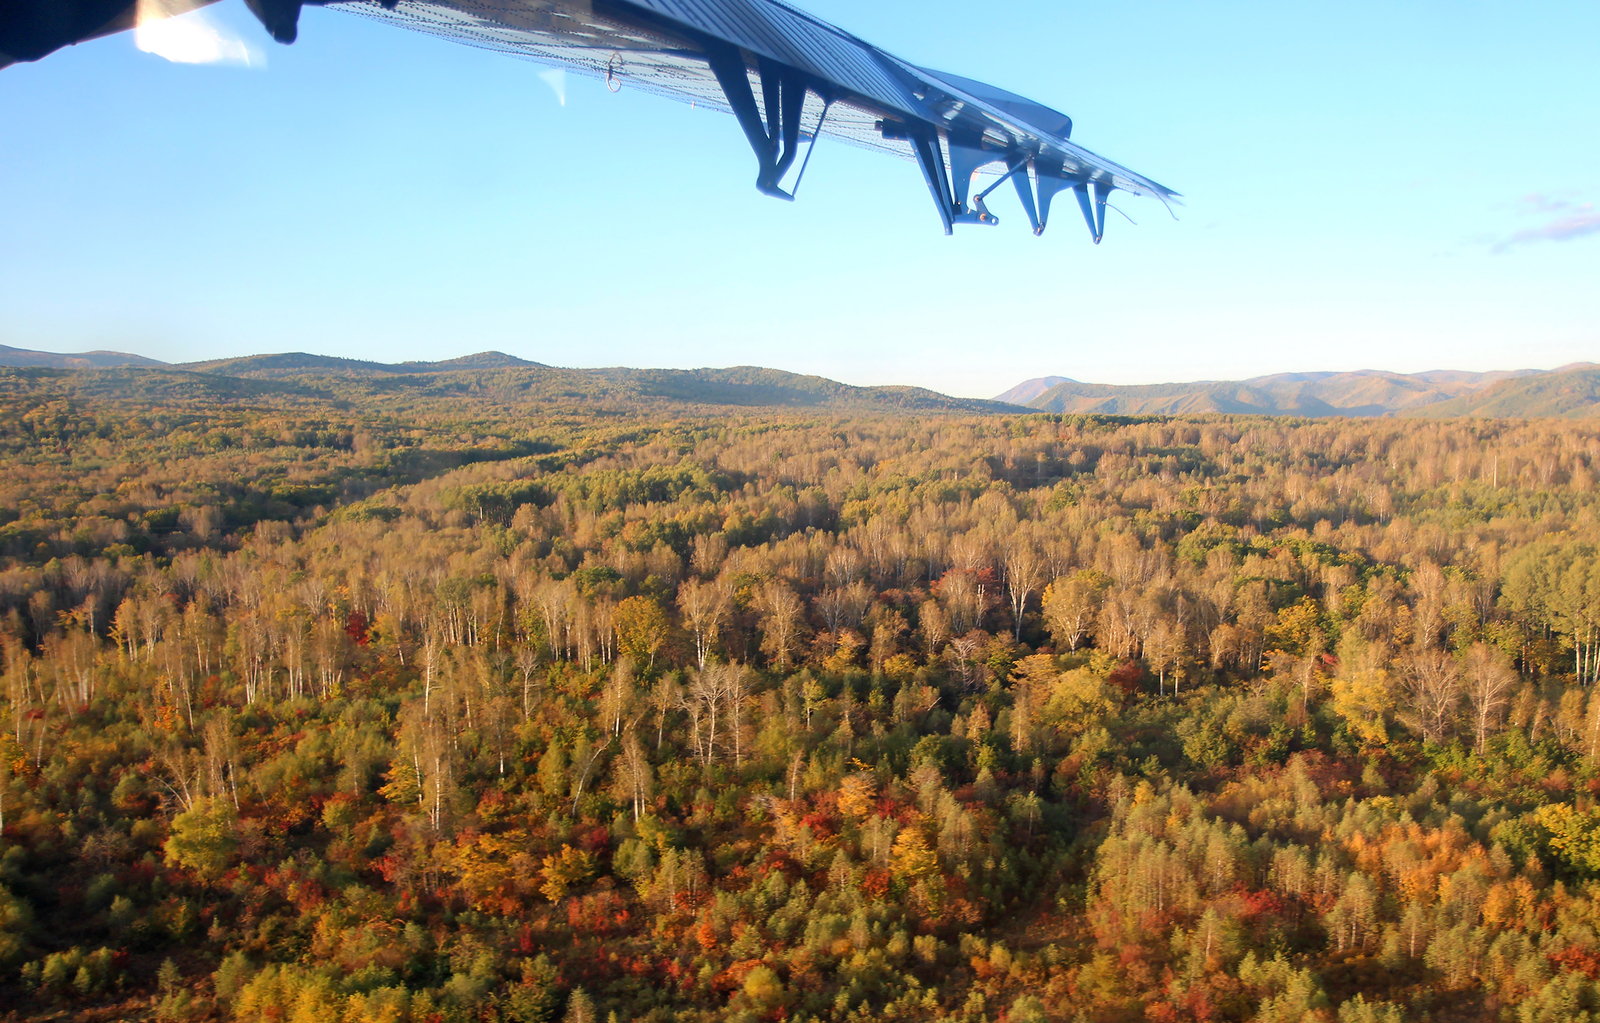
[1365,699]
[203,838]
[564,870]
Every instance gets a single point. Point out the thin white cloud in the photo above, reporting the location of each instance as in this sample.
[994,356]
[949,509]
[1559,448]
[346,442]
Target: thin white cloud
[191,38]
[1568,220]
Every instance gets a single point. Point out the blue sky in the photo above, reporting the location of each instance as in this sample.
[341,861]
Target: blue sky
[1400,186]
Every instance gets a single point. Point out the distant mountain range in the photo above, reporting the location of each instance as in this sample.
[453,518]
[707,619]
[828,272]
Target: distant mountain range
[1028,390]
[83,360]
[296,364]
[1571,391]
[297,373]
[260,367]
[742,386]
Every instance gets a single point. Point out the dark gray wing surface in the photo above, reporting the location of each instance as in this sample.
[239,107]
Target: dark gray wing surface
[787,77]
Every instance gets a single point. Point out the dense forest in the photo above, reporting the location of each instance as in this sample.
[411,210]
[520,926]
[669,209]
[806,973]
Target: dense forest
[364,703]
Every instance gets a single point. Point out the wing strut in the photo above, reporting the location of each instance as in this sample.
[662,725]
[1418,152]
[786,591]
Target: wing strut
[816,133]
[1048,180]
[926,145]
[949,188]
[1094,212]
[966,156]
[775,139]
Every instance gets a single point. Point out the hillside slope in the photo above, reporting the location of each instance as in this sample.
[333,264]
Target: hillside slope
[756,386]
[1359,393]
[1028,390]
[500,380]
[288,364]
[1572,393]
[76,360]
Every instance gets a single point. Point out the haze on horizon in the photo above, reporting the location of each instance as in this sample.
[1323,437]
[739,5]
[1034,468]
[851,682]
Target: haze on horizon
[1365,188]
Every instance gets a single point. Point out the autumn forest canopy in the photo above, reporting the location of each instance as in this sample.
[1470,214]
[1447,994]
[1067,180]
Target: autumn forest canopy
[476,698]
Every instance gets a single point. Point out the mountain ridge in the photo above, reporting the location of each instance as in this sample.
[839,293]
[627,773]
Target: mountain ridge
[1357,393]
[1569,391]
[98,359]
[497,377]
[284,364]
[1028,390]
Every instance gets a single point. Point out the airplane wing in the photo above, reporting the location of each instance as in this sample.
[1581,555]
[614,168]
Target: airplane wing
[31,29]
[787,77]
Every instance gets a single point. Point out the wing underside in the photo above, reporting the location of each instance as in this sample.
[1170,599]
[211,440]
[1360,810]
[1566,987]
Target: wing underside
[788,79]
[655,46]
[647,58]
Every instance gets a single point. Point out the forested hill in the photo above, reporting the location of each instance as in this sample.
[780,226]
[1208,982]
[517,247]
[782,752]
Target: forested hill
[405,706]
[491,380]
[516,379]
[755,386]
[1569,392]
[1029,390]
[290,364]
[81,360]
[459,697]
